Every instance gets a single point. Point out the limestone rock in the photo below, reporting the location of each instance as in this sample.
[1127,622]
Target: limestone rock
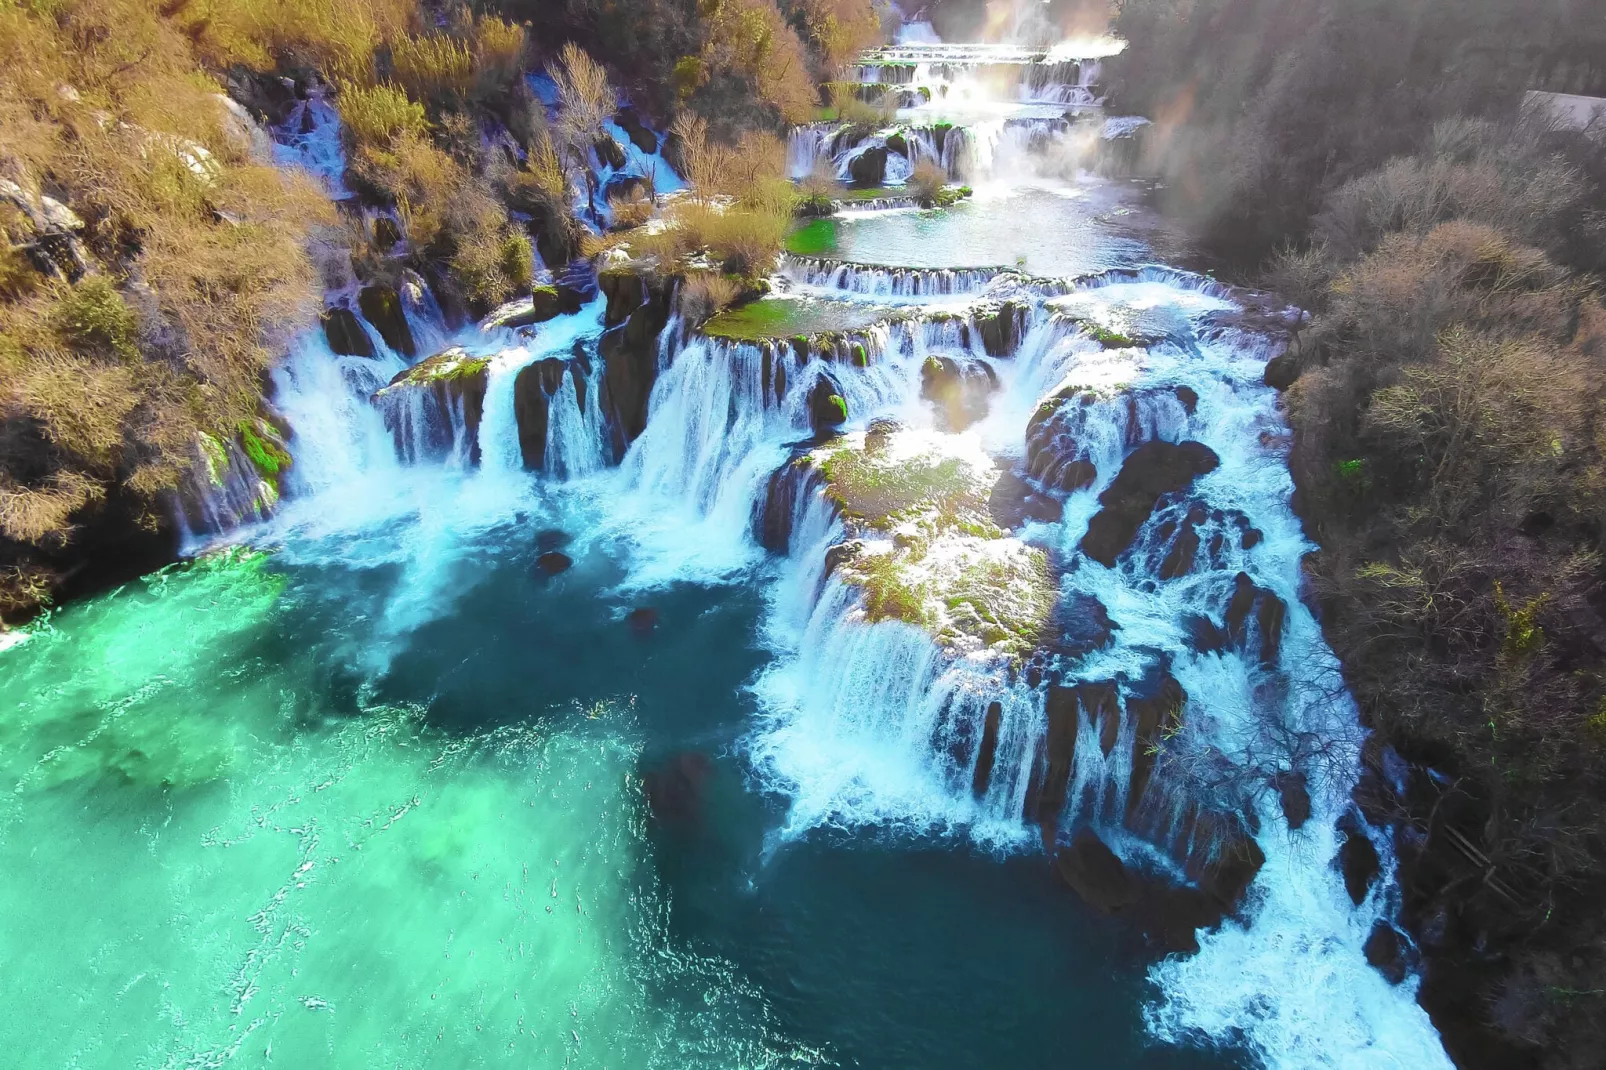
[1281,372]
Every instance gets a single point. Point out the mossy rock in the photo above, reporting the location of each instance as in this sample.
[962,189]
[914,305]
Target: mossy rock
[924,548]
[262,444]
[449,365]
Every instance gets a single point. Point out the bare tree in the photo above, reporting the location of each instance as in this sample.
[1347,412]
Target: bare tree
[585,101]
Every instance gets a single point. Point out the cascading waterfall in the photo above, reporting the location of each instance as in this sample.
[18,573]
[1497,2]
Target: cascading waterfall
[877,725]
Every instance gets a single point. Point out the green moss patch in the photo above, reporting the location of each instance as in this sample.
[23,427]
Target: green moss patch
[788,317]
[444,367]
[924,548]
[264,447]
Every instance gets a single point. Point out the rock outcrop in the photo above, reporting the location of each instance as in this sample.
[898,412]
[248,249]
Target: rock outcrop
[382,307]
[430,404]
[1153,470]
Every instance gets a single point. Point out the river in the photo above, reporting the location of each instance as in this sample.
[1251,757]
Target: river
[365,785]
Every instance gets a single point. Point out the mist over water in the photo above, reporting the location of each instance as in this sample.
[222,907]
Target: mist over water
[367,787]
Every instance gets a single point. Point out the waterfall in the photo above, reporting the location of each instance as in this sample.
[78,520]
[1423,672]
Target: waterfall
[870,280]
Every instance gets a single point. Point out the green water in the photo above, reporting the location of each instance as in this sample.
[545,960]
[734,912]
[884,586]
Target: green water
[206,859]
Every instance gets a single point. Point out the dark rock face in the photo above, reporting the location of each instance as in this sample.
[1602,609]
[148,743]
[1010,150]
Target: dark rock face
[1386,951]
[828,409]
[959,389]
[987,750]
[1014,501]
[1055,460]
[345,334]
[1233,865]
[609,152]
[1157,712]
[1294,793]
[1153,470]
[1189,398]
[1081,625]
[575,285]
[442,396]
[382,307]
[626,291]
[1056,753]
[630,367]
[772,520]
[1281,372]
[675,789]
[869,169]
[1096,873]
[1190,536]
[1358,860]
[552,563]
[1268,612]
[1002,330]
[533,391]
[630,122]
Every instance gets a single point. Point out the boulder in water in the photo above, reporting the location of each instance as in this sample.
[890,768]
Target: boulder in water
[575,285]
[1014,501]
[1268,612]
[1387,951]
[449,383]
[540,306]
[1002,328]
[1357,860]
[642,620]
[1293,792]
[1096,873]
[1153,470]
[1189,398]
[1233,864]
[1281,372]
[609,154]
[626,290]
[897,143]
[630,367]
[381,306]
[828,409]
[630,122]
[344,333]
[868,169]
[674,789]
[552,563]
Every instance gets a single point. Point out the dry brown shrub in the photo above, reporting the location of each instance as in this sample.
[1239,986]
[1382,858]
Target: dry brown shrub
[702,294]
[752,39]
[840,29]
[435,68]
[927,180]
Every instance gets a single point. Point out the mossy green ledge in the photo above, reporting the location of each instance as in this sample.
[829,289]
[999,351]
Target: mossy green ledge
[923,547]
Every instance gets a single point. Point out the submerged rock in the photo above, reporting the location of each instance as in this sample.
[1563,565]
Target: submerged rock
[552,563]
[552,539]
[642,620]
[674,789]
[1150,472]
[1096,873]
[1013,502]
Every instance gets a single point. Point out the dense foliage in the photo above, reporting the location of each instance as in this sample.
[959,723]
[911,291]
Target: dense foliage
[1449,422]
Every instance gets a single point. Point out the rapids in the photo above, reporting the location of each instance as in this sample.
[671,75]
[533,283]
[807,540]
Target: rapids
[369,782]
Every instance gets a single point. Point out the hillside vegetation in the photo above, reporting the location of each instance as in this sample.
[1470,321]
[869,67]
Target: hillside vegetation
[155,264]
[1449,418]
